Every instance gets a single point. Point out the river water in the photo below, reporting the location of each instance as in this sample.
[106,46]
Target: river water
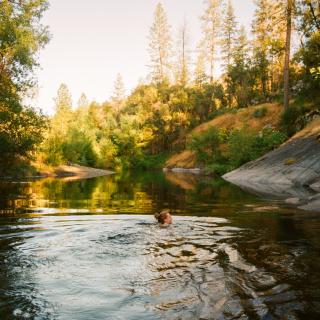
[90,249]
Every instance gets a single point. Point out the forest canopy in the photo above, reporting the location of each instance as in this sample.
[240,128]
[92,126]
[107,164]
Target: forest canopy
[21,38]
[182,90]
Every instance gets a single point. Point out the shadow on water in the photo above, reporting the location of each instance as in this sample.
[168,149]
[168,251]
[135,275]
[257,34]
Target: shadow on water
[91,250]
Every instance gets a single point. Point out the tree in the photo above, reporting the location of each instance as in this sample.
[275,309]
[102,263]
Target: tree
[287,54]
[309,16]
[229,35]
[241,79]
[63,100]
[308,13]
[261,28]
[160,46]
[83,101]
[118,94]
[21,38]
[211,25]
[200,76]
[182,55]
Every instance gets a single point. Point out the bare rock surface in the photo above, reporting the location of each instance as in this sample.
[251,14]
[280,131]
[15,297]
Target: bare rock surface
[290,172]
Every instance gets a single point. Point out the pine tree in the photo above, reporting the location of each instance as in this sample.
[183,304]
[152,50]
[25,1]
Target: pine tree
[261,29]
[160,46]
[229,35]
[211,25]
[200,76]
[241,77]
[63,101]
[63,108]
[290,4]
[83,101]
[182,76]
[118,94]
[240,52]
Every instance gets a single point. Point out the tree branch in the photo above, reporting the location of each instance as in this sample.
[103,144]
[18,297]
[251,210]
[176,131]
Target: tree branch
[314,16]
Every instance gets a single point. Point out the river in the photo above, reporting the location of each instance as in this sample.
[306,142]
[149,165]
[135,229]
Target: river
[90,249]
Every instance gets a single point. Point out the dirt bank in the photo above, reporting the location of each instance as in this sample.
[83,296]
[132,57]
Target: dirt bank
[71,172]
[244,117]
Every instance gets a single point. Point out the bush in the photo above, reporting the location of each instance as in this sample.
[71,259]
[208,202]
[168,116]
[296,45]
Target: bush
[260,112]
[206,145]
[221,151]
[292,119]
[148,161]
[218,168]
[241,147]
[246,146]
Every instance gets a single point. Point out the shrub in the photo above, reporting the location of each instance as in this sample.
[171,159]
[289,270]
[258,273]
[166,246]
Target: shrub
[246,145]
[206,145]
[292,119]
[219,168]
[221,151]
[260,112]
[241,147]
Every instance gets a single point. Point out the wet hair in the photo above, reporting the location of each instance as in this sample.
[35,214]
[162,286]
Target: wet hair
[161,216]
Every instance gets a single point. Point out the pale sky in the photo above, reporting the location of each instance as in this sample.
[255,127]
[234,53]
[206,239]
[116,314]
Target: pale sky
[93,41]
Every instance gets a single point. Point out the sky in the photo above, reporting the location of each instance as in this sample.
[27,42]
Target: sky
[93,41]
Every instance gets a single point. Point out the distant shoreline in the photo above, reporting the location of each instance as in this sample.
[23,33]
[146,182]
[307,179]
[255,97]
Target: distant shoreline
[67,172]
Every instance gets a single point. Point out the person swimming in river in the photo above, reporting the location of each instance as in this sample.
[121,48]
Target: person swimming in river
[164,217]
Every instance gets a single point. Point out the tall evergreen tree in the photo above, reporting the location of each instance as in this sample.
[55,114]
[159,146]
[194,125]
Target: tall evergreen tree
[63,100]
[200,76]
[182,55]
[211,26]
[83,101]
[160,46]
[118,94]
[63,107]
[228,35]
[290,4]
[261,28]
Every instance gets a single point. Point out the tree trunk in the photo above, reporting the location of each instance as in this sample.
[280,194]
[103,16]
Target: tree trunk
[287,55]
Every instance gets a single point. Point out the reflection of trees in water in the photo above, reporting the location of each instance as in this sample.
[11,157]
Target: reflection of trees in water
[14,197]
[128,192]
[188,190]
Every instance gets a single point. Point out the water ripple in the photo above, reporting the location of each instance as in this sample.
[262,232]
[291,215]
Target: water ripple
[111,267]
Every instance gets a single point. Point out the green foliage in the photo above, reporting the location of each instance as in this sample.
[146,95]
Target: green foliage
[220,151]
[148,161]
[78,148]
[207,145]
[310,58]
[260,112]
[245,145]
[292,119]
[21,37]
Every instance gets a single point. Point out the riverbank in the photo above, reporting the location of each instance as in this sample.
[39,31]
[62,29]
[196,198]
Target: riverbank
[66,172]
[74,172]
[291,172]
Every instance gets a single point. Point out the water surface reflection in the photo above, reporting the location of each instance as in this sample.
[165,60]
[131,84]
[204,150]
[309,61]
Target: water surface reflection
[91,250]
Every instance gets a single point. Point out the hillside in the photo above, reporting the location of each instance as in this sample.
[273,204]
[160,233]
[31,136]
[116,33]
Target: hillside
[243,117]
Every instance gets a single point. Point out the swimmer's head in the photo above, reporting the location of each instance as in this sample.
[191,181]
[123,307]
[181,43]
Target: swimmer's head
[164,217]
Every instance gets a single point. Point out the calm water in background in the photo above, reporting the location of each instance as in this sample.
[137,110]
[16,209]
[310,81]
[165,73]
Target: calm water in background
[90,249]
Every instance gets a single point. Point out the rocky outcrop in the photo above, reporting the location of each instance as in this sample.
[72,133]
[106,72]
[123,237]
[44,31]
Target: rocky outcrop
[291,172]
